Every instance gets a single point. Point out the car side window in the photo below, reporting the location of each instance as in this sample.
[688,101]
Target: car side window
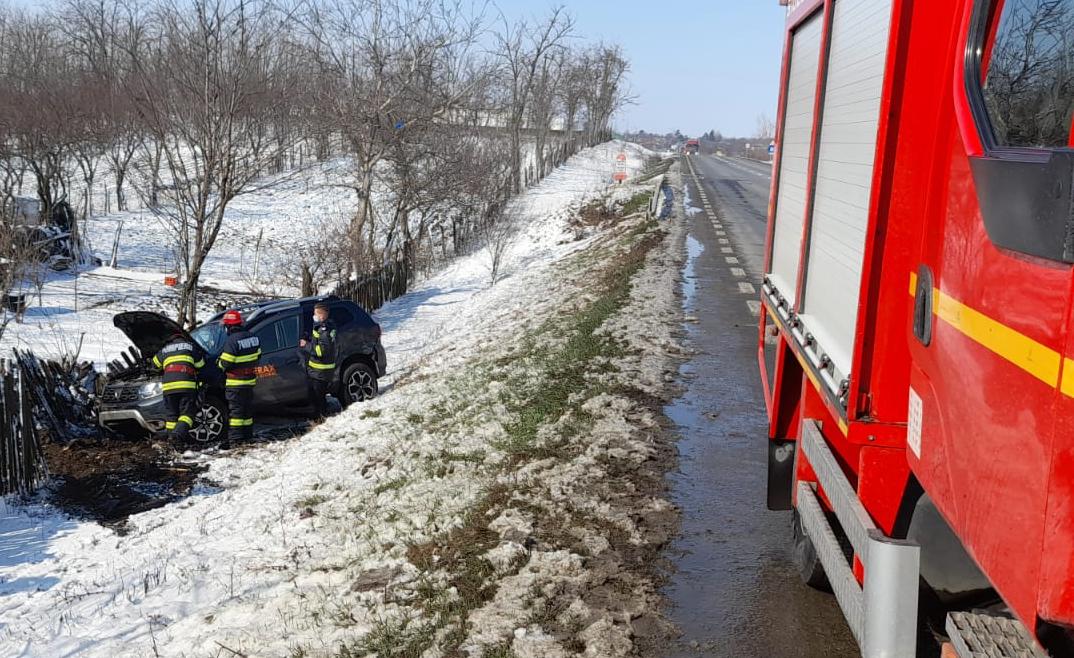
[1028,85]
[270,342]
[287,330]
[341,315]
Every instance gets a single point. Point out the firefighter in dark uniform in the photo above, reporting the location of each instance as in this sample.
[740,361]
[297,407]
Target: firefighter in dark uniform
[320,352]
[238,361]
[181,360]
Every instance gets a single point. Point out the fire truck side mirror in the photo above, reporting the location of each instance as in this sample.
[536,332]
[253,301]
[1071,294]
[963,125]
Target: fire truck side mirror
[1025,200]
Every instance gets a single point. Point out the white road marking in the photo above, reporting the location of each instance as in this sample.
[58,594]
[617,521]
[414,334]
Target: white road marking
[738,271]
[745,287]
[723,241]
[754,306]
[731,260]
[721,233]
[727,250]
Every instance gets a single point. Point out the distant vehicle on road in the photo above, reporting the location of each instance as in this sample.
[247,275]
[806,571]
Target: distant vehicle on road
[134,403]
[692,146]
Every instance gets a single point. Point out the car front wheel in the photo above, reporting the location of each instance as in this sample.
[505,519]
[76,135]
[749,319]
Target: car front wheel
[210,423]
[359,383]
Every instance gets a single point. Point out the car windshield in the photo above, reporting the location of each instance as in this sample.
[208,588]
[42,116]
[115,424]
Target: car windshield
[210,337]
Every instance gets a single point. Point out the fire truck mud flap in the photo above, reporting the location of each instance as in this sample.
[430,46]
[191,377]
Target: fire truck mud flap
[882,613]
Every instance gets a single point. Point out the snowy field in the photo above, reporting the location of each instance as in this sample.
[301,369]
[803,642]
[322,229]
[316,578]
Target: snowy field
[260,237]
[347,541]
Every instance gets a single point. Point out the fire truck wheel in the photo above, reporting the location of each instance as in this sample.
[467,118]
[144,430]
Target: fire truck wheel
[806,559]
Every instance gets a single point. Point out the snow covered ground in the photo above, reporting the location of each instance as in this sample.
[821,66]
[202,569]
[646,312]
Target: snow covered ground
[260,237]
[354,539]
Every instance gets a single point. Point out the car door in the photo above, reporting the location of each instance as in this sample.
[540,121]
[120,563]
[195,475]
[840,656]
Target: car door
[281,376]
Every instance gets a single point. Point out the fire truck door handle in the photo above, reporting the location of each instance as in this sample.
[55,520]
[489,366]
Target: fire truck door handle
[923,305]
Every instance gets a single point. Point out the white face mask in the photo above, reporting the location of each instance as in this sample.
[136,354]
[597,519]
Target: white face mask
[316,319]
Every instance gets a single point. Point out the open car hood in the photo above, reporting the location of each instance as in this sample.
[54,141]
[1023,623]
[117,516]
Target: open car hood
[147,330]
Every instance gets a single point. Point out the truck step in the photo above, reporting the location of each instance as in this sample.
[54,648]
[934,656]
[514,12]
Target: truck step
[985,635]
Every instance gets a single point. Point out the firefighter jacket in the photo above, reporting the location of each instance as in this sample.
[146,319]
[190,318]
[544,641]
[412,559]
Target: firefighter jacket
[321,351]
[239,360]
[180,360]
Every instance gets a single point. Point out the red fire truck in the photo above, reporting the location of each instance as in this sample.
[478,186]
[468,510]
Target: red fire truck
[917,344]
[692,146]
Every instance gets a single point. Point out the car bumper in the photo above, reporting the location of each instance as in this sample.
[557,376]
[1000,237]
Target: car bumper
[148,415]
[382,360]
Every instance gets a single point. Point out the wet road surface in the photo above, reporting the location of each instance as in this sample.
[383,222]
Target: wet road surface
[735,591]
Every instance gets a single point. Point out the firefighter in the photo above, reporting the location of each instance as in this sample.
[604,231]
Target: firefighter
[181,360]
[238,361]
[320,353]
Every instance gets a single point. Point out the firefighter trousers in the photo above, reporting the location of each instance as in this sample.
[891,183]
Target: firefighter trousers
[182,407]
[318,391]
[240,413]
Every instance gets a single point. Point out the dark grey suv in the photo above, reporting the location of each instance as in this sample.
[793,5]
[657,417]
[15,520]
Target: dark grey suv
[134,404]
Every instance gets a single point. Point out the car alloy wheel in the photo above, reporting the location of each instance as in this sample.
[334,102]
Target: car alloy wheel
[361,385]
[208,424]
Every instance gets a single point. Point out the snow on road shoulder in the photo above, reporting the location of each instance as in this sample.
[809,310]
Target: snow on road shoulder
[413,520]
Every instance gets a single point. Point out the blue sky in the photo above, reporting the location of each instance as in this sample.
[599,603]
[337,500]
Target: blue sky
[696,64]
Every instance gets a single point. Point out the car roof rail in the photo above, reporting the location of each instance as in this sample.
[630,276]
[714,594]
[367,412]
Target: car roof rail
[256,310]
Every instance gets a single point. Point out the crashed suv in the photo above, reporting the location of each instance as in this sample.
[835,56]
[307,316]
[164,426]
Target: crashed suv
[133,403]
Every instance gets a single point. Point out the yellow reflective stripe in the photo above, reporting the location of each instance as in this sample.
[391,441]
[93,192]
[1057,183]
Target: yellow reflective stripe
[179,358]
[316,334]
[186,419]
[240,382]
[156,361]
[240,422]
[245,358]
[1031,356]
[200,363]
[319,351]
[169,424]
[322,366]
[182,385]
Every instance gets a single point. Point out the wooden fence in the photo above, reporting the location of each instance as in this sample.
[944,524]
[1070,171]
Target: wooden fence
[38,400]
[379,288]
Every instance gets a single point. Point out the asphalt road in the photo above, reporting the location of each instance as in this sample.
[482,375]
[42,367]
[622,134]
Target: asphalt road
[734,590]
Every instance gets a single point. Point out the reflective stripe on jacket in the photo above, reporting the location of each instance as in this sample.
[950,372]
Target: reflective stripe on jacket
[180,360]
[239,359]
[321,350]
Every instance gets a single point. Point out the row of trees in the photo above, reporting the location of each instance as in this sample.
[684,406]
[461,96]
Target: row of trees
[187,104]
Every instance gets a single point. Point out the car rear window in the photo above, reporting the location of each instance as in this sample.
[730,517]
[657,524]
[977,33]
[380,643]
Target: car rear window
[341,315]
[279,335]
[287,330]
[268,338]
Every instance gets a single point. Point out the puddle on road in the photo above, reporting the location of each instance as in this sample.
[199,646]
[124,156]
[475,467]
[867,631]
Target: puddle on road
[733,591]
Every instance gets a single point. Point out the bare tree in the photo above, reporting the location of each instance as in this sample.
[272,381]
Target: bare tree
[766,127]
[203,88]
[388,70]
[524,50]
[604,70]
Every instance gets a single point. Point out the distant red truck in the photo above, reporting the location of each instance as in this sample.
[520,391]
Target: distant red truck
[692,146]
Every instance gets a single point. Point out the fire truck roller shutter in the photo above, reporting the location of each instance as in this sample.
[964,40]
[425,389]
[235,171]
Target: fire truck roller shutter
[794,156]
[848,138]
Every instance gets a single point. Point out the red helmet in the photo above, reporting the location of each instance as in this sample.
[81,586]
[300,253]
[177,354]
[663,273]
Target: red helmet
[232,319]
